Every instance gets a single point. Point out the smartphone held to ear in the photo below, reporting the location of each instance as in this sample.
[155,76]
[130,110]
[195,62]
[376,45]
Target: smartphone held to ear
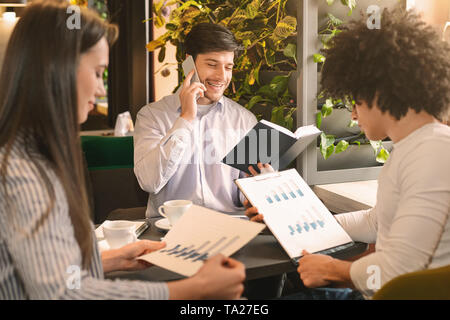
[189,65]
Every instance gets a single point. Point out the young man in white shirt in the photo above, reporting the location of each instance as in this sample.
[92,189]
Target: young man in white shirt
[179,141]
[399,77]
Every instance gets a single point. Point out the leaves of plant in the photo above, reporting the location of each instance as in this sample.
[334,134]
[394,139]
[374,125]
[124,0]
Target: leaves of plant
[382,156]
[285,28]
[327,108]
[252,9]
[326,145]
[334,21]
[162,54]
[291,51]
[319,119]
[318,58]
[376,145]
[341,146]
[254,100]
[279,84]
[352,124]
[278,115]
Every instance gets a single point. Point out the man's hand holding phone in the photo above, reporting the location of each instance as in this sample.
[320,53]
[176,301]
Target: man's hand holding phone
[190,92]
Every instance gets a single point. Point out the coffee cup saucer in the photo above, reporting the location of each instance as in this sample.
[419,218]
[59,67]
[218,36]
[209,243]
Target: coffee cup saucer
[163,224]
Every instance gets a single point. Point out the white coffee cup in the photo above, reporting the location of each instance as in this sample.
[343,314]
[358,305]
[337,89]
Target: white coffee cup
[174,209]
[119,233]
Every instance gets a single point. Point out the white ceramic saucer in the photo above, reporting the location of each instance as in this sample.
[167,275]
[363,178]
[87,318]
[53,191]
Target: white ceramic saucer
[163,224]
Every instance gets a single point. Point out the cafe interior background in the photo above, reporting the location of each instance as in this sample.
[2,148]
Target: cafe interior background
[143,70]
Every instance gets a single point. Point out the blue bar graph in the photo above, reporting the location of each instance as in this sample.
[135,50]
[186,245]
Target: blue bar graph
[306,226]
[202,252]
[283,193]
[277,197]
[292,230]
[286,192]
[297,188]
[225,245]
[318,216]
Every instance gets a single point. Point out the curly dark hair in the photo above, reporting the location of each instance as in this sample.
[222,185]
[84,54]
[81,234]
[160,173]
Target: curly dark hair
[404,64]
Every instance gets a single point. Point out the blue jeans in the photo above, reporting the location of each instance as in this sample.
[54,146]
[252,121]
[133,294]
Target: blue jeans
[325,294]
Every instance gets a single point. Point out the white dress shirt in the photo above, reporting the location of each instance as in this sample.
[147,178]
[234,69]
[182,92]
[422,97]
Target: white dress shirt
[178,159]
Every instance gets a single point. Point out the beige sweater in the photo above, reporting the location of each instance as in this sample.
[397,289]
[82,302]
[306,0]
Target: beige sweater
[410,221]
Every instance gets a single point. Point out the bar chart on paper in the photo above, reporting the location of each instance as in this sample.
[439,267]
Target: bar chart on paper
[199,235]
[293,212]
[201,252]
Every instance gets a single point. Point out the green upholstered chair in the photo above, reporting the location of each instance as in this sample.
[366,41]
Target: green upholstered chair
[111,184]
[108,152]
[427,284]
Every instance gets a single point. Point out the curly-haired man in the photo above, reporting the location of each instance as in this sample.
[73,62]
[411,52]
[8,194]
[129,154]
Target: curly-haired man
[399,78]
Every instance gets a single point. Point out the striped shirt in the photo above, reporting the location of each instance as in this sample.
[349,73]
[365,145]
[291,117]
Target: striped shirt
[46,263]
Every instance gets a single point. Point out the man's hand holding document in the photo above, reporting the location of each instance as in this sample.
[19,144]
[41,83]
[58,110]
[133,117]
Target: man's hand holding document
[294,214]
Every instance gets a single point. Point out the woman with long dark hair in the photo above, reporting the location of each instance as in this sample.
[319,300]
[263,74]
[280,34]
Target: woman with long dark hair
[50,79]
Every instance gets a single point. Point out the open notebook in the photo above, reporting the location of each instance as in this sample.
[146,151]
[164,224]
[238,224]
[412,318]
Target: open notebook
[294,214]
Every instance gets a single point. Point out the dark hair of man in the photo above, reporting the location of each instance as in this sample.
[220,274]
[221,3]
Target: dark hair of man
[210,37]
[404,64]
[38,102]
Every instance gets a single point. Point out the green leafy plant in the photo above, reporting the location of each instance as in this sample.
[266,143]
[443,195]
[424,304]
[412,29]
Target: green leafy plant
[351,4]
[330,144]
[98,5]
[268,37]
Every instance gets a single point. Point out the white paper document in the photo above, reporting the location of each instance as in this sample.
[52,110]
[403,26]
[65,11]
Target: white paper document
[200,234]
[294,214]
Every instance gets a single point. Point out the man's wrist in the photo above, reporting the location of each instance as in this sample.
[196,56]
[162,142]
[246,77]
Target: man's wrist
[339,271]
[187,117]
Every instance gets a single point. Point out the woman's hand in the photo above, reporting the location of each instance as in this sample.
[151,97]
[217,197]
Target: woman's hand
[125,258]
[219,278]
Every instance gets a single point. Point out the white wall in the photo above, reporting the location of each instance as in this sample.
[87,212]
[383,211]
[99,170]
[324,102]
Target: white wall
[435,12]
[164,85]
